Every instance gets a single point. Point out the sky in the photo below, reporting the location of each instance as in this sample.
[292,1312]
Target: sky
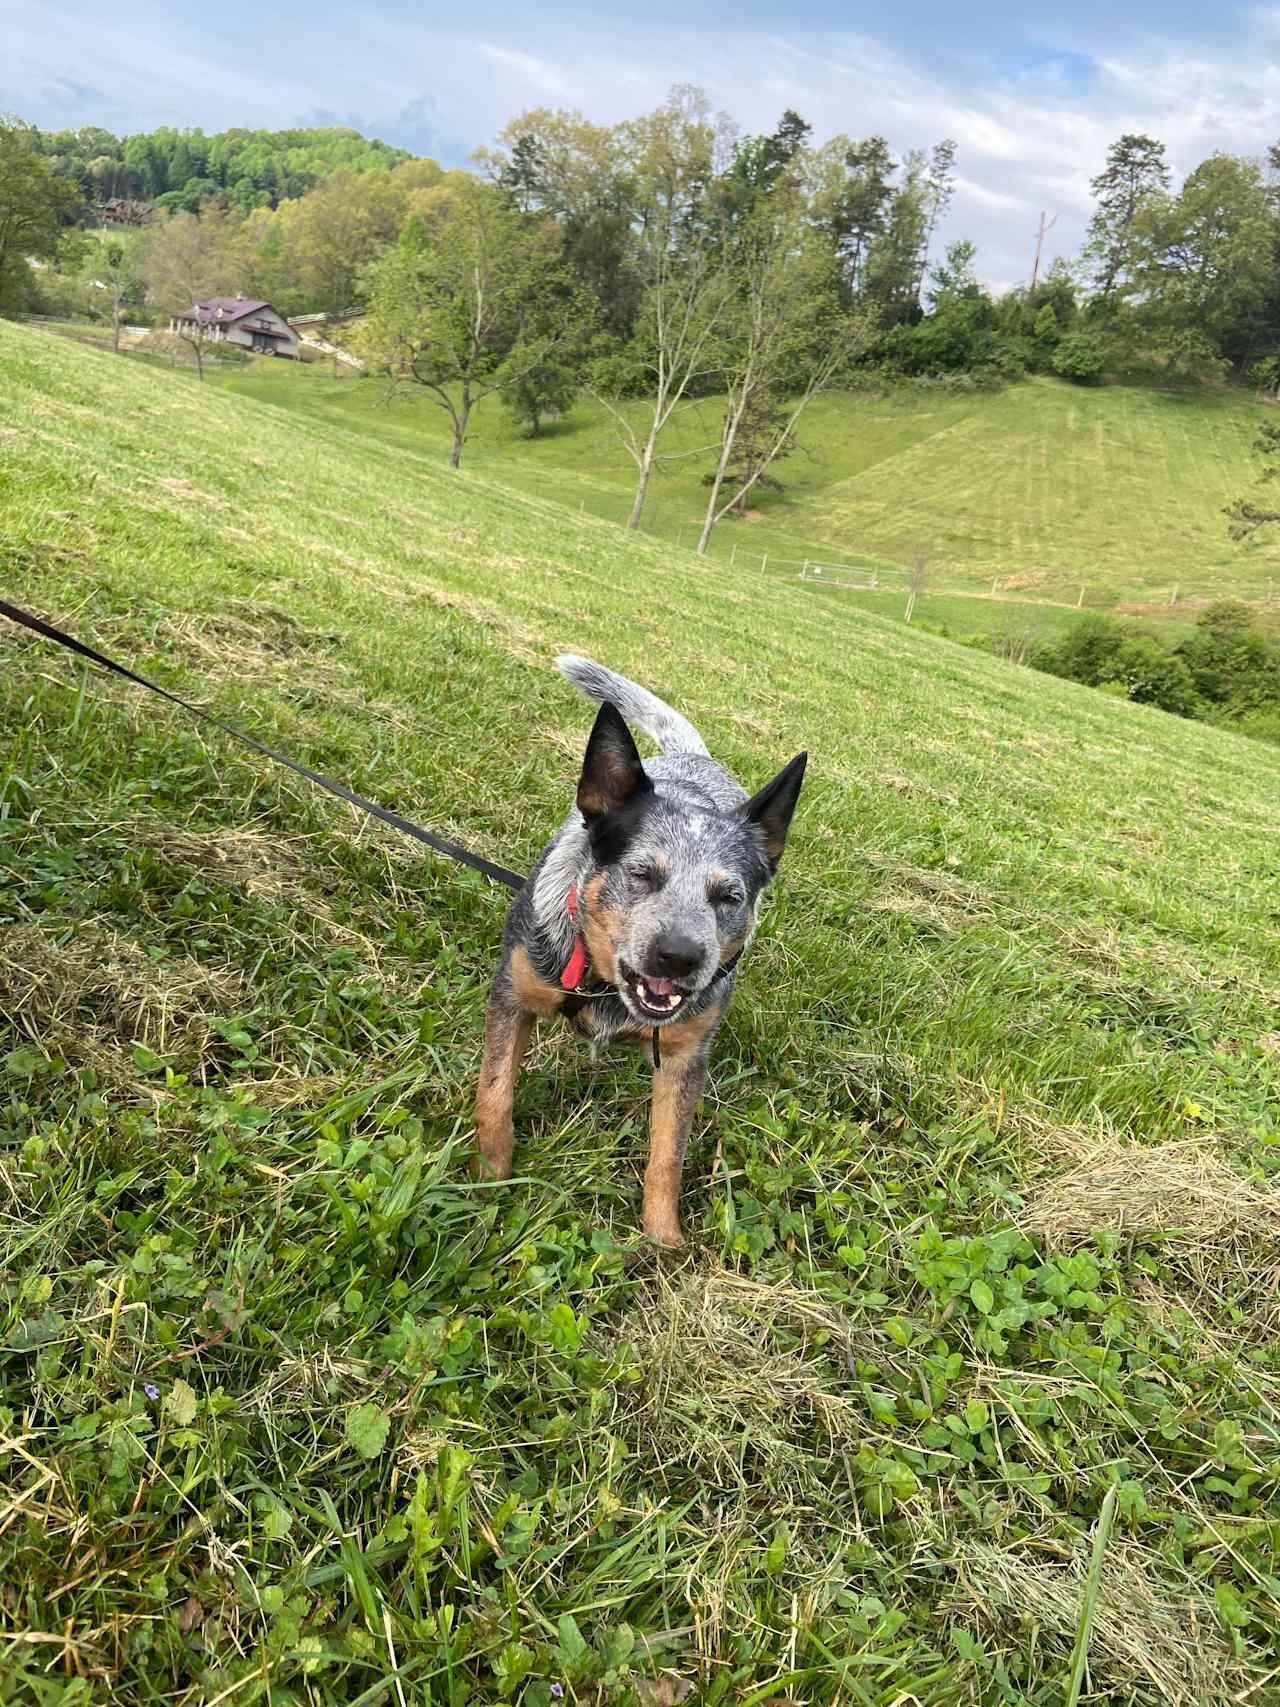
[1033,97]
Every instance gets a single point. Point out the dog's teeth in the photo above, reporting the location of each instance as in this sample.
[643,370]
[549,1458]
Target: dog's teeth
[676,999]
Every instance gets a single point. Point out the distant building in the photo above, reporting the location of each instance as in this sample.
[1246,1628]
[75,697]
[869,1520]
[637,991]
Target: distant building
[240,321]
[120,210]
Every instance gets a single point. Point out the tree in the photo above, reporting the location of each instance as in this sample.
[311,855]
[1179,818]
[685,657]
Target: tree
[1135,170]
[1047,334]
[674,155]
[955,279]
[119,271]
[896,259]
[460,291]
[186,259]
[1231,663]
[561,164]
[36,205]
[325,239]
[958,334]
[857,211]
[759,161]
[783,338]
[1200,262]
[1247,518]
[544,383]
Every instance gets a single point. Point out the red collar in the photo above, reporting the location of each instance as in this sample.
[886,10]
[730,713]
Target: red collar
[576,969]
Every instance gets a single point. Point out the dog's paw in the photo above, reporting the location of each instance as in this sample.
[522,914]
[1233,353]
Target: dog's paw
[664,1230]
[489,1168]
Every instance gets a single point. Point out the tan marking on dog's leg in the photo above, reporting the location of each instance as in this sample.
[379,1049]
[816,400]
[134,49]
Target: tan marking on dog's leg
[531,990]
[677,1085]
[507,1030]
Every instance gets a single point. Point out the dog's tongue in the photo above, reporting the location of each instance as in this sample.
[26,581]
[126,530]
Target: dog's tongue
[660,986]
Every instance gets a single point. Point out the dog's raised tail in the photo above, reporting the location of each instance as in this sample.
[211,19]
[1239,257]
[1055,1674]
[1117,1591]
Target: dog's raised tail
[673,733]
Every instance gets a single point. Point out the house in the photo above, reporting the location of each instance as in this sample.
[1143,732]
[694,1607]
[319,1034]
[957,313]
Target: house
[238,320]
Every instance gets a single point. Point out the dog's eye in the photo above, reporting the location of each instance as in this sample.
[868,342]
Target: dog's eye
[726,895]
[645,876]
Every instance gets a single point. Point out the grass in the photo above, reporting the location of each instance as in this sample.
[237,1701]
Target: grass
[1048,490]
[296,1412]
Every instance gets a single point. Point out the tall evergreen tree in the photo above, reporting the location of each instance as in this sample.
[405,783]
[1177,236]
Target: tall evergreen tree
[859,217]
[1135,170]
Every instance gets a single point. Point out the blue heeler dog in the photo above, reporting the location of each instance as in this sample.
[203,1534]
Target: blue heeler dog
[634,918]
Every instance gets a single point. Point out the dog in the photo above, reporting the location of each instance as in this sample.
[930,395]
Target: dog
[633,920]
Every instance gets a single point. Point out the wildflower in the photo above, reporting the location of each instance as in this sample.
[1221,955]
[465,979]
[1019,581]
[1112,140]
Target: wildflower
[150,1389]
[557,1689]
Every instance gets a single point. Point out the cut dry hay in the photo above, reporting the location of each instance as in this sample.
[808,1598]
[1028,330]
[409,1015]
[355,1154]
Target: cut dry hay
[741,1386]
[1182,1192]
[1149,1644]
[85,996]
[739,1396]
[248,860]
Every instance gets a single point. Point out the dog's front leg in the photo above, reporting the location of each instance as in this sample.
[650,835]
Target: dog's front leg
[677,1085]
[507,1029]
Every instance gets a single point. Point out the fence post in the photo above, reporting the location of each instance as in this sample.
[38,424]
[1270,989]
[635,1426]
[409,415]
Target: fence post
[995,583]
[1080,600]
[763,560]
[1173,598]
[733,554]
[679,538]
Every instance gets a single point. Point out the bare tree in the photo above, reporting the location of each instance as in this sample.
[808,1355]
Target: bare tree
[783,340]
[120,264]
[674,156]
[917,576]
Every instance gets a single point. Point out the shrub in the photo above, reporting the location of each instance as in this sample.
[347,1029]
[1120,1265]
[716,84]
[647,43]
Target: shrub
[1229,661]
[1262,725]
[1080,356]
[1122,660]
[1154,676]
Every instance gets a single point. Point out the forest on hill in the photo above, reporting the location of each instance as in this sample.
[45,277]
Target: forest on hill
[171,168]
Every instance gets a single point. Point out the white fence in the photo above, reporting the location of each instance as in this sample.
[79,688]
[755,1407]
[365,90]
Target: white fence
[842,575]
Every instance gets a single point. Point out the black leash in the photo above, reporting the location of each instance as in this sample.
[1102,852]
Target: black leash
[450,850]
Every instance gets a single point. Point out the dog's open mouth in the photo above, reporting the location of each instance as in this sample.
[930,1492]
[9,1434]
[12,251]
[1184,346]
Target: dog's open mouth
[656,998]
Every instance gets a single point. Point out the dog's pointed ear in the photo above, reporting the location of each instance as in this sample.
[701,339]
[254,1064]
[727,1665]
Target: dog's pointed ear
[770,810]
[612,772]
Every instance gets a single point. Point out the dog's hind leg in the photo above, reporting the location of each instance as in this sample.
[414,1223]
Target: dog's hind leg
[507,1029]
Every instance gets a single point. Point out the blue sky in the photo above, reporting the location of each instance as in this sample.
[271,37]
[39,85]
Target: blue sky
[1033,99]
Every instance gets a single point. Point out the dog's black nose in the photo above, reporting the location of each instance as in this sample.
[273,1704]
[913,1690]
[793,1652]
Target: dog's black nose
[674,955]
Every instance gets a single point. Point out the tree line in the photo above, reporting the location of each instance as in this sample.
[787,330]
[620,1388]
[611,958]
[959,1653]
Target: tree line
[653,262]
[171,168]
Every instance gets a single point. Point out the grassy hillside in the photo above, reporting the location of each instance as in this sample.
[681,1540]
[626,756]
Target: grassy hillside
[982,1204]
[1046,488]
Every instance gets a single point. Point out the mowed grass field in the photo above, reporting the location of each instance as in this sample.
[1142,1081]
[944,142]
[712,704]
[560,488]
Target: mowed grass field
[1048,490]
[982,1203]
